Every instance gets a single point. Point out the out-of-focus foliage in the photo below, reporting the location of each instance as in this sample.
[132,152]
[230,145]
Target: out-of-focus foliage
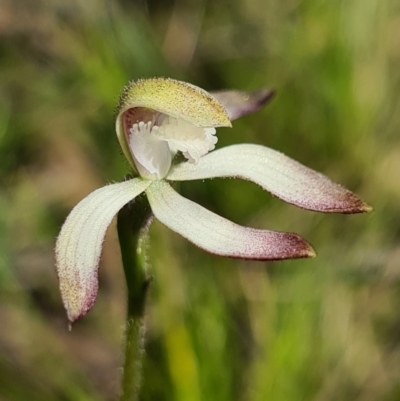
[322,329]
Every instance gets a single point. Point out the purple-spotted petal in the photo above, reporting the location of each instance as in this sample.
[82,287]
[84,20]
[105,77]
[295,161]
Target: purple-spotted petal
[80,241]
[219,236]
[239,104]
[276,173]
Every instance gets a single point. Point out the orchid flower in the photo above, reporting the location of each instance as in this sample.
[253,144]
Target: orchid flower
[156,119]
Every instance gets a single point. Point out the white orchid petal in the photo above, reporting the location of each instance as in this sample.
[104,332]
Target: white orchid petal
[194,142]
[276,173]
[80,241]
[151,154]
[217,235]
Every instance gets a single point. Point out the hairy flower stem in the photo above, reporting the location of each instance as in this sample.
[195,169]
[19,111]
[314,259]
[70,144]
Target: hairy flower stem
[133,223]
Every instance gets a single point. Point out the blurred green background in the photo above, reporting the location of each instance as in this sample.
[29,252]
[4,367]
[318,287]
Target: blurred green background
[219,329]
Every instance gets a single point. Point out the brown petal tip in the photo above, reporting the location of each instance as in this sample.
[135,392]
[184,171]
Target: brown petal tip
[292,246]
[365,208]
[310,253]
[306,251]
[350,204]
[263,96]
[239,103]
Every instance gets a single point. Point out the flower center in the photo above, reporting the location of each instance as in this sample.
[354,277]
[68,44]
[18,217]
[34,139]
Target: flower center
[154,143]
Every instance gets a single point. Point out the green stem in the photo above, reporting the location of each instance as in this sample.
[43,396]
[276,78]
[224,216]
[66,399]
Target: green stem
[133,224]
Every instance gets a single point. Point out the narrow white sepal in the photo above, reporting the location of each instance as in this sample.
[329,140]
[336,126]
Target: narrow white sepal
[80,241]
[276,173]
[220,236]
